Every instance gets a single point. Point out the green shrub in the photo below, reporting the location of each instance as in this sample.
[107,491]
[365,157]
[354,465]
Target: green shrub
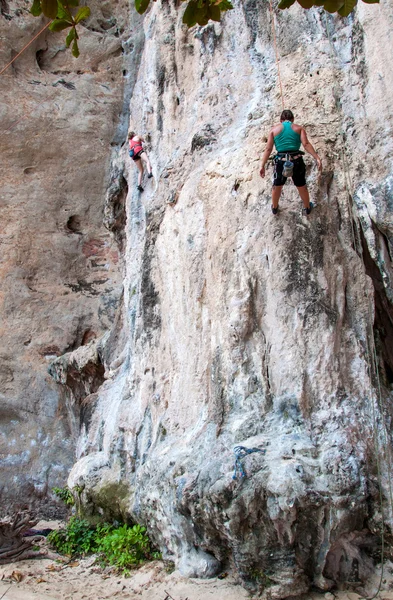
[123,547]
[78,537]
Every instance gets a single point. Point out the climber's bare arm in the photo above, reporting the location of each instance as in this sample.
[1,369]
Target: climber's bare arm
[309,148]
[267,153]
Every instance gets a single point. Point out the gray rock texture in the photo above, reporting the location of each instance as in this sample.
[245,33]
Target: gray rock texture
[238,328]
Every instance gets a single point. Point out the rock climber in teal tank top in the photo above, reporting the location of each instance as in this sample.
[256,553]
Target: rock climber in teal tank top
[287,136]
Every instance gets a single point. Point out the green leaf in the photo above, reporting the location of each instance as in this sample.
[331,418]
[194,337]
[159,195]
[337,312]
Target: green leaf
[70,2]
[347,7]
[225,5]
[70,37]
[202,16]
[371,1]
[49,8]
[189,17]
[59,25]
[141,6]
[36,9]
[332,6]
[75,49]
[83,13]
[63,12]
[306,3]
[215,12]
[286,4]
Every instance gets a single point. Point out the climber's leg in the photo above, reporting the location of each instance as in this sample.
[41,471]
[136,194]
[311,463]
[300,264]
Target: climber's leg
[276,194]
[146,160]
[304,195]
[139,164]
[299,179]
[278,182]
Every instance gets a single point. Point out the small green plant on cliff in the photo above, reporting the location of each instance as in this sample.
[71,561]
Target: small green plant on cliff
[65,495]
[123,547]
[260,578]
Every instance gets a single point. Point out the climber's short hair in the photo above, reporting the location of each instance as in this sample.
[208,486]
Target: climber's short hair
[287,115]
[131,135]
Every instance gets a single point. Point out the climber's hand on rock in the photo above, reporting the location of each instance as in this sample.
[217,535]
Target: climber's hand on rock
[262,172]
[319,164]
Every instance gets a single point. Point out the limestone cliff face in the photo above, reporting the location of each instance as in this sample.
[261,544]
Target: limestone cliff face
[237,328]
[60,266]
[240,328]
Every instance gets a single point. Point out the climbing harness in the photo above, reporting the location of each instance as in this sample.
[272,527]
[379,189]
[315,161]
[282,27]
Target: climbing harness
[289,159]
[240,452]
[276,52]
[288,167]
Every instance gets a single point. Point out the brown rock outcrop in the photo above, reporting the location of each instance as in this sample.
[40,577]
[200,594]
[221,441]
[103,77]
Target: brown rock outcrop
[61,119]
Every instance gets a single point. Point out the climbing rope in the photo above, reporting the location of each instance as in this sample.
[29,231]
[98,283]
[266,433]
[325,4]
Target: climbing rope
[276,52]
[240,452]
[9,129]
[24,48]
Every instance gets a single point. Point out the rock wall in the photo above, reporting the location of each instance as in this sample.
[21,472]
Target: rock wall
[238,328]
[61,274]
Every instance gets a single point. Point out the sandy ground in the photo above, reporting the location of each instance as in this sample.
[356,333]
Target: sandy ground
[47,580]
[84,579]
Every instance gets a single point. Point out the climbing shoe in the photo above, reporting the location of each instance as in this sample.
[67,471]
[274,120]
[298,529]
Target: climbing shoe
[309,209]
[139,188]
[150,175]
[274,210]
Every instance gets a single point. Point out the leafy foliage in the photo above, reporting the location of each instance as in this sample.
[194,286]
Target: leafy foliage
[65,495]
[198,12]
[60,11]
[77,538]
[342,7]
[202,11]
[123,547]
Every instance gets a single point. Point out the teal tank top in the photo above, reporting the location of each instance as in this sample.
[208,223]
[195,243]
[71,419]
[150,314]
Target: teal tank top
[288,140]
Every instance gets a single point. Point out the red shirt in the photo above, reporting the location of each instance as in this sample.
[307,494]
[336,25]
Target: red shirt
[136,146]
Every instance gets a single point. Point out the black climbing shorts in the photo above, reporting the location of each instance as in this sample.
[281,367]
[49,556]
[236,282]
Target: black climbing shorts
[138,155]
[299,172]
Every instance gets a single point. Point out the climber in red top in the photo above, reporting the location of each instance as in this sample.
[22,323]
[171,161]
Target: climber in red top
[138,154]
[288,162]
